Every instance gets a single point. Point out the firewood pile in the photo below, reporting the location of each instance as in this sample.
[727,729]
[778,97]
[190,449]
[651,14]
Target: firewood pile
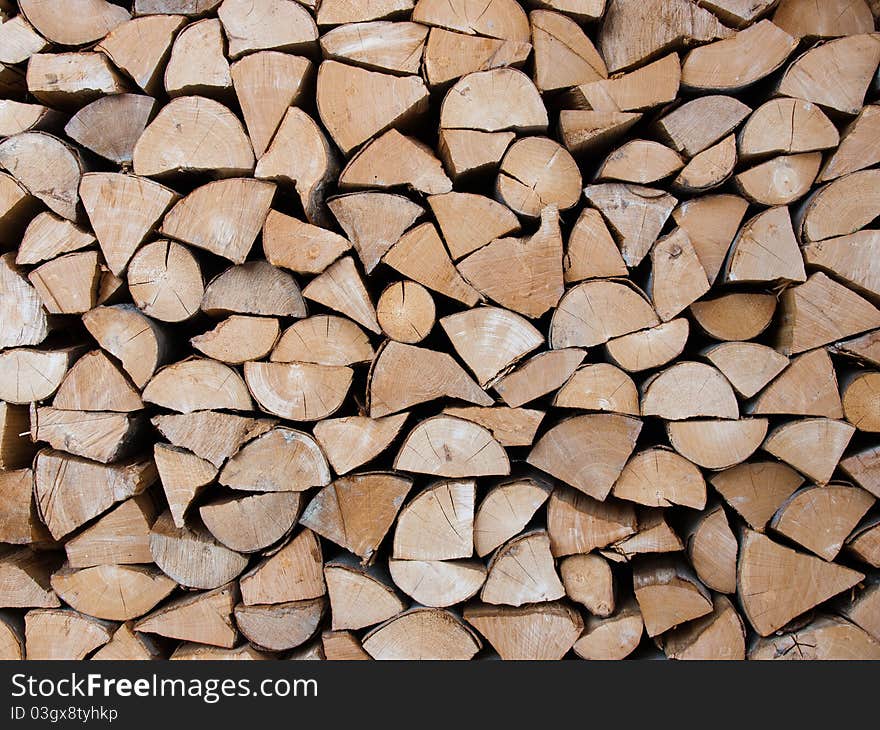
[453,329]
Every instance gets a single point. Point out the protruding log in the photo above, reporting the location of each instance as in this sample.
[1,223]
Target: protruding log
[757,489]
[294,573]
[266,84]
[718,636]
[359,597]
[708,169]
[668,593]
[470,152]
[812,76]
[438,583]
[652,85]
[404,375]
[735,63]
[698,124]
[357,511]
[807,387]
[267,24]
[406,312]
[821,518]
[198,384]
[425,530]
[205,618]
[183,475]
[649,348]
[494,101]
[683,23]
[62,633]
[716,444]
[356,104]
[113,592]
[848,258]
[535,173]
[577,523]
[747,365]
[377,46]
[776,583]
[466,449]
[540,631]
[419,634]
[589,581]
[735,316]
[588,452]
[223,217]
[120,537]
[268,516]
[71,80]
[297,464]
[615,637]
[539,375]
[194,134]
[711,222]
[813,446]
[281,626]
[655,535]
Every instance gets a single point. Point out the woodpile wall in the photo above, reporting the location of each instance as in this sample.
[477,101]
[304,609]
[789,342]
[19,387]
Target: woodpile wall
[386,329]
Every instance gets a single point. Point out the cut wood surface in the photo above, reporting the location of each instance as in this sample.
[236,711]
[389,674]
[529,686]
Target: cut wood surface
[439,329]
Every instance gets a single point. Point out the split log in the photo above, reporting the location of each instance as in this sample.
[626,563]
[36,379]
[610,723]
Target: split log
[63,634]
[469,221]
[299,246]
[238,339]
[781,180]
[539,375]
[19,522]
[449,56]
[522,571]
[654,535]
[584,132]
[649,348]
[426,532]
[589,581]
[536,172]
[79,22]
[342,645]
[197,65]
[268,516]
[205,618]
[183,475]
[697,125]
[24,317]
[197,384]
[406,312]
[864,543]
[100,436]
[862,467]
[813,446]
[847,258]
[509,426]
[712,548]
[856,150]
[861,608]
[188,651]
[341,288]
[828,20]
[786,127]
[711,223]
[735,316]
[599,387]
[677,277]
[716,444]
[615,637]
[540,631]
[438,583]
[128,645]
[422,633]
[68,284]
[298,391]
[640,161]
[294,573]
[807,387]
[668,593]
[591,252]
[353,441]
[747,365]
[577,523]
[377,46]
[466,449]
[267,24]
[659,477]
[255,287]
[48,236]
[281,626]
[652,85]
[757,489]
[120,537]
[29,375]
[359,597]
[841,207]
[19,41]
[826,638]
[719,636]
[689,390]
[25,578]
[16,117]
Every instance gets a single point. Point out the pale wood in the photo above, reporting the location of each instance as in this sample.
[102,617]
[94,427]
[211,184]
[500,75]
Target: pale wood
[25,320]
[188,651]
[24,579]
[735,316]
[588,580]
[748,366]
[211,435]
[598,387]
[68,284]
[857,148]
[449,56]
[281,626]
[506,510]
[807,387]
[183,475]
[715,444]
[438,583]
[776,583]
[377,46]
[325,340]
[509,426]
[826,638]
[341,288]
[668,593]
[786,126]
[825,20]
[16,116]
[113,592]
[406,312]
[535,173]
[504,19]
[591,252]
[422,634]
[538,376]
[861,608]
[359,597]
[29,375]
[120,537]
[708,169]
[859,401]
[425,531]
[862,466]
[655,535]
[651,85]
[577,523]
[522,571]
[290,390]
[205,618]
[864,542]
[357,511]
[19,40]
[77,391]
[48,236]
[128,645]
[658,477]
[689,390]
[197,384]
[63,634]
[238,338]
[267,24]
[469,221]
[756,489]
[841,207]
[586,131]
[564,54]
[494,101]
[698,124]
[111,126]
[712,549]
[255,287]
[640,161]
[719,636]
[677,276]
[467,153]
[197,65]
[615,637]
[711,222]
[651,347]
[294,573]
[299,246]
[96,435]
[342,645]
[543,631]
[269,517]
[78,23]
[849,259]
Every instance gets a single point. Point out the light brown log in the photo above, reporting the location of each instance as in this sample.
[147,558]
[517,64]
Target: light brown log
[393,160]
[522,274]
[266,83]
[506,510]
[711,223]
[599,387]
[68,284]
[807,387]
[625,310]
[535,173]
[342,289]
[47,167]
[183,475]
[342,645]
[588,452]
[857,148]
[19,522]
[698,124]
[715,444]
[538,376]
[655,535]
[810,77]
[48,236]
[640,161]
[588,580]
[62,633]
[658,477]
[469,221]
[188,651]
[770,600]
[281,626]
[681,23]
[120,537]
[97,435]
[668,593]
[16,117]
[300,156]
[238,339]
[165,281]
[19,40]
[71,80]
[615,637]
[494,101]
[651,347]
[469,152]
[735,63]
[522,571]
[652,85]
[255,287]
[747,365]
[268,516]
[337,12]
[449,56]
[859,404]
[17,205]
[862,466]
[377,46]
[357,511]
[359,597]
[422,634]
[77,391]
[113,592]
[677,276]
[24,317]
[841,207]
[577,523]
[540,631]
[466,449]
[712,549]
[406,312]
[197,65]
[781,180]
[826,20]
[509,426]
[591,252]
[140,47]
[354,440]
[193,134]
[821,518]
[718,636]
[709,168]
[581,10]
[735,316]
[294,573]
[504,19]
[586,131]
[826,638]
[128,645]
[861,608]
[564,55]
[689,390]
[864,542]
[849,259]
[24,578]
[425,530]
[78,23]
[28,375]
[267,24]
[404,375]
[757,489]
[191,556]
[197,384]
[787,127]
[205,618]
[355,104]
[438,583]
[373,222]
[196,219]
[299,246]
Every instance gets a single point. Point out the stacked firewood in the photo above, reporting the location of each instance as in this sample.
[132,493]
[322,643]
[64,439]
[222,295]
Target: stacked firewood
[386,329]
